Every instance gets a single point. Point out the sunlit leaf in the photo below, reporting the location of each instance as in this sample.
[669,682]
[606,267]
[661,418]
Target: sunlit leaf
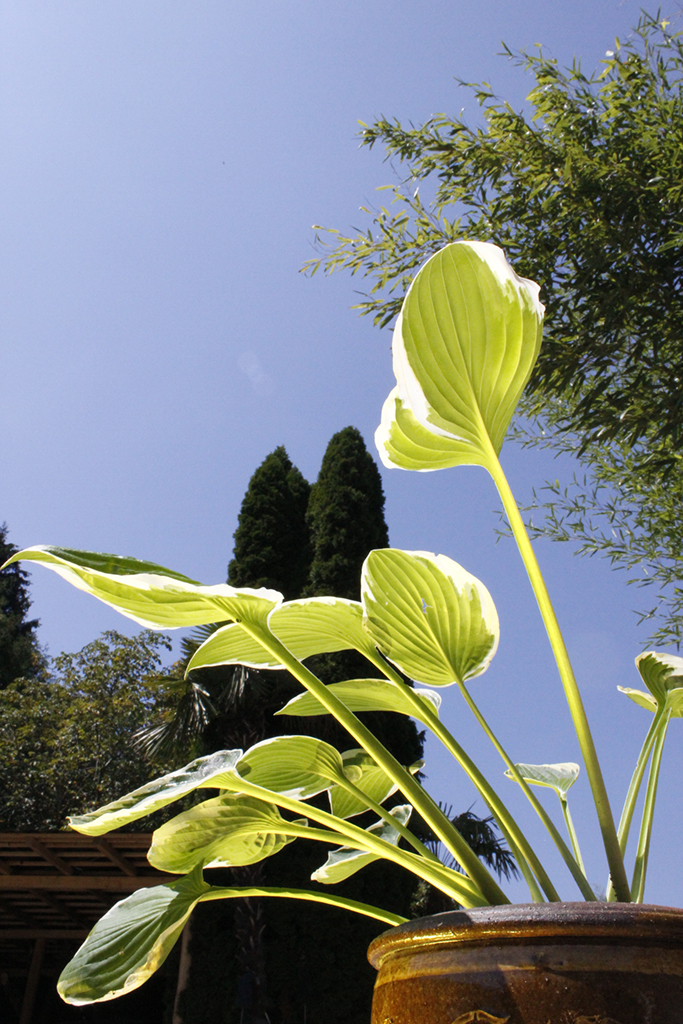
[365,695]
[371,780]
[404,443]
[555,776]
[429,616]
[197,774]
[345,861]
[464,346]
[315,625]
[660,673]
[228,831]
[130,942]
[150,594]
[674,700]
[319,625]
[294,766]
[232,645]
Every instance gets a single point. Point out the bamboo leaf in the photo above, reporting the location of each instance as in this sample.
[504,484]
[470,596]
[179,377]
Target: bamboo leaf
[364,695]
[345,861]
[428,615]
[130,942]
[148,593]
[201,773]
[229,831]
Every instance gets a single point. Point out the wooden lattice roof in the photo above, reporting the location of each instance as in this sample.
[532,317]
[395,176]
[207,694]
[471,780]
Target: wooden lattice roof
[54,886]
[62,882]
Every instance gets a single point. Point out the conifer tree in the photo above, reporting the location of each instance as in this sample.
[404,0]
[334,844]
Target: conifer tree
[20,655]
[345,516]
[272,547]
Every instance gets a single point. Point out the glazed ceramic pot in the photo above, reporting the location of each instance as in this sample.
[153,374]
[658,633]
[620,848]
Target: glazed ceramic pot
[550,963]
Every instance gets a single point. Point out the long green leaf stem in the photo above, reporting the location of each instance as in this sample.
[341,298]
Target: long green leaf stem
[515,838]
[615,858]
[312,895]
[643,851]
[572,861]
[634,788]
[459,887]
[421,801]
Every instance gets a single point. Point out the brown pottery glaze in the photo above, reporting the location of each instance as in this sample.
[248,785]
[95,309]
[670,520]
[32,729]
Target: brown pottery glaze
[550,963]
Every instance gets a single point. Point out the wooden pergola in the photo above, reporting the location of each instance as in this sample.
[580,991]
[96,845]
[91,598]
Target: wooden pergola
[54,886]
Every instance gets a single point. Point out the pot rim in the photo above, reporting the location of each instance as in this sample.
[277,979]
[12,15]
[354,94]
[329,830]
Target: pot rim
[521,923]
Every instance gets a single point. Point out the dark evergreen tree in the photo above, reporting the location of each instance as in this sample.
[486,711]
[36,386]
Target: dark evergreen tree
[345,516]
[20,654]
[272,546]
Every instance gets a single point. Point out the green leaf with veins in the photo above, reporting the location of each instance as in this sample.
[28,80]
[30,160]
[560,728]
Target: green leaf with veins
[371,780]
[315,625]
[130,942]
[201,773]
[150,594]
[229,831]
[464,346]
[294,766]
[429,616]
[660,673]
[555,776]
[345,861]
[365,695]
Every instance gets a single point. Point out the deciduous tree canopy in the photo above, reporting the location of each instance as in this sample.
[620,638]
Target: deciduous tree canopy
[67,741]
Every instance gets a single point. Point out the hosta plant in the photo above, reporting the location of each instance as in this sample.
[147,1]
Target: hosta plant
[464,347]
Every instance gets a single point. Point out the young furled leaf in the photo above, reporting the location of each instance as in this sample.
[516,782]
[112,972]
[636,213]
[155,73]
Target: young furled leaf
[464,346]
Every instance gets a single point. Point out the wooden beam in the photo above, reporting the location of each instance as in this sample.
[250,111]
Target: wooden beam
[115,857]
[80,883]
[50,856]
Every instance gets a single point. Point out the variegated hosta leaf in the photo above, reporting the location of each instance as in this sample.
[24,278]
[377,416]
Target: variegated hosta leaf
[197,774]
[294,766]
[228,831]
[464,346]
[314,625]
[232,645]
[365,695]
[150,594]
[661,673]
[130,942]
[371,780]
[428,615]
[404,443]
[555,776]
[319,625]
[345,861]
[674,700]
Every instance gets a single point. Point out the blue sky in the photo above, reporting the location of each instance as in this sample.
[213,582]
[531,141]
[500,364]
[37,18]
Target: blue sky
[161,167]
